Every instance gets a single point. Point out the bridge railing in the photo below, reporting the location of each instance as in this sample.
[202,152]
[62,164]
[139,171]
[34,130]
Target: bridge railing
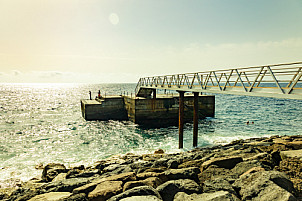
[280,80]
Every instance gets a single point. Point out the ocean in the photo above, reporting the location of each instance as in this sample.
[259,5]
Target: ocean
[42,123]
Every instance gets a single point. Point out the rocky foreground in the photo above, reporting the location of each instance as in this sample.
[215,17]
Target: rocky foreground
[252,169]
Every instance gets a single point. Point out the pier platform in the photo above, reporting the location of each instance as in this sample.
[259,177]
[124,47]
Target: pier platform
[159,111]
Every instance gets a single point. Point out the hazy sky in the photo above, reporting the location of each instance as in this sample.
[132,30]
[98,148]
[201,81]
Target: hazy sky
[122,40]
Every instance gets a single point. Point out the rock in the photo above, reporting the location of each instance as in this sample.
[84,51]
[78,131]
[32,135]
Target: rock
[267,185]
[52,196]
[39,166]
[162,162]
[296,144]
[224,162]
[256,157]
[192,163]
[137,191]
[291,154]
[67,185]
[85,188]
[253,170]
[141,198]
[51,170]
[172,164]
[76,197]
[150,181]
[60,177]
[213,172]
[159,151]
[118,169]
[243,167]
[80,173]
[218,184]
[170,188]
[215,196]
[105,190]
[145,175]
[141,164]
[124,177]
[185,173]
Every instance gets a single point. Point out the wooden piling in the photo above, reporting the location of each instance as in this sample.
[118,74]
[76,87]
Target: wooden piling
[195,119]
[181,118]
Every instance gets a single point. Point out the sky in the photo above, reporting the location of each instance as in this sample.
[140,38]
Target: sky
[105,41]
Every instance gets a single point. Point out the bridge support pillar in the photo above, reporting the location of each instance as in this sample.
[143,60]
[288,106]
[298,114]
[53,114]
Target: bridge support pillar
[195,119]
[154,93]
[181,118]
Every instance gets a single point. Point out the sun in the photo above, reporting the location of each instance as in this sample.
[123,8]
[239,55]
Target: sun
[114,19]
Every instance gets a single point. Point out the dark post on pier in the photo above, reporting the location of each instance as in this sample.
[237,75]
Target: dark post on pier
[195,119]
[181,119]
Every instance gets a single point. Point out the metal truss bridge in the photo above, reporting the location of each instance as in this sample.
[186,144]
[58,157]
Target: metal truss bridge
[277,81]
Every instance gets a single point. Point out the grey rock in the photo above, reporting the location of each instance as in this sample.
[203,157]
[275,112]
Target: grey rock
[172,164]
[76,197]
[137,191]
[170,188]
[215,196]
[142,198]
[242,167]
[66,185]
[218,184]
[185,173]
[162,162]
[51,170]
[52,196]
[266,185]
[228,162]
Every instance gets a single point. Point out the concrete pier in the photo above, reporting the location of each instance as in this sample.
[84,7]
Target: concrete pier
[109,108]
[161,111]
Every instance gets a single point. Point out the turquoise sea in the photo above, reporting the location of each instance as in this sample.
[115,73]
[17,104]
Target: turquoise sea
[42,123]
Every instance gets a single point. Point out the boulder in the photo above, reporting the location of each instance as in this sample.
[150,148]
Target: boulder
[291,154]
[215,196]
[60,177]
[192,163]
[51,170]
[218,184]
[76,197]
[142,198]
[172,164]
[266,185]
[170,188]
[142,176]
[253,170]
[105,190]
[162,162]
[52,196]
[223,162]
[67,185]
[137,191]
[243,167]
[150,181]
[185,173]
[159,151]
[213,172]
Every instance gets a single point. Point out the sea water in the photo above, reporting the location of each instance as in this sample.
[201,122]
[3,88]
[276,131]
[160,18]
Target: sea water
[42,123]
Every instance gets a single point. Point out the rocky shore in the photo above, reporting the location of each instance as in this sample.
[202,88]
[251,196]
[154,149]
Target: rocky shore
[252,169]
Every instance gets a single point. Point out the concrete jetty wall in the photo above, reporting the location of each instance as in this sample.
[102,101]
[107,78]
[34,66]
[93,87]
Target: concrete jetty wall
[159,112]
[163,111]
[109,108]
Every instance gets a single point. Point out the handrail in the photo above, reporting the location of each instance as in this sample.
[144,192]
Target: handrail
[278,80]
